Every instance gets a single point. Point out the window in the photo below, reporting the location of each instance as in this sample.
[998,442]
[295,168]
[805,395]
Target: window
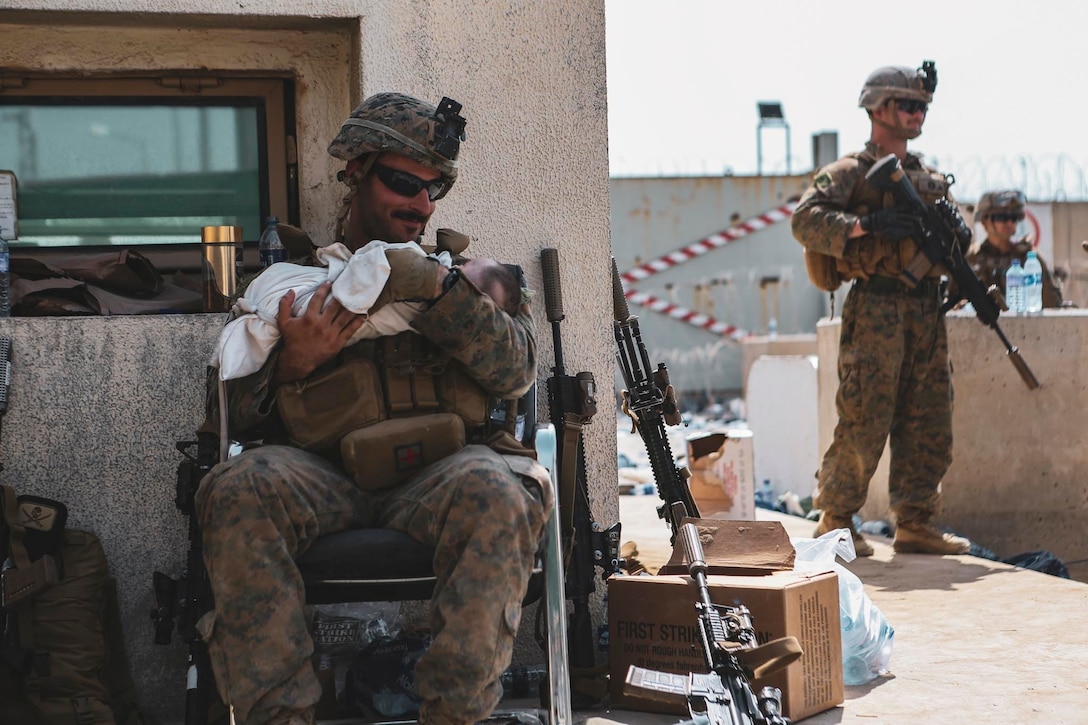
[146,162]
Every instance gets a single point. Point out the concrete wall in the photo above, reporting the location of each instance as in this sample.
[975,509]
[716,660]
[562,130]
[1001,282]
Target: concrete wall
[652,217]
[98,403]
[1017,480]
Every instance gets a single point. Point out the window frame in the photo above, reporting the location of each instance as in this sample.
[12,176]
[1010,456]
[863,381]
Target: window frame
[278,166]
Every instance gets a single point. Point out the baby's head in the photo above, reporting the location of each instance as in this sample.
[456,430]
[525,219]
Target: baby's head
[496,281]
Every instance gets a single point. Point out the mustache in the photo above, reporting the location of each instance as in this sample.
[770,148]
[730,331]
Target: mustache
[410,216]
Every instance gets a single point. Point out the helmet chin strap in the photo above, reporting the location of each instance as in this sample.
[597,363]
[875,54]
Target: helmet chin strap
[897,129]
[352,181]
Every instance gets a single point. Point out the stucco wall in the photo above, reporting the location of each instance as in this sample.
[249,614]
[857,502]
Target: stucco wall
[534,174]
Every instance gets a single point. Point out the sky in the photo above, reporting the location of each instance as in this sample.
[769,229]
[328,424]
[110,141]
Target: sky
[1010,108]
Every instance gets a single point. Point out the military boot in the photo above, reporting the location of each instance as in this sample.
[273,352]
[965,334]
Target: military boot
[922,537]
[830,522]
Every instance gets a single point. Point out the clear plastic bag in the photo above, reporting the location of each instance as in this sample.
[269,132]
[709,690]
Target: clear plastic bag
[866,635]
[340,632]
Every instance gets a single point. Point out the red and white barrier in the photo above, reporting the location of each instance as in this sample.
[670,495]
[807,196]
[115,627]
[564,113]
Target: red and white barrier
[714,241]
[683,314]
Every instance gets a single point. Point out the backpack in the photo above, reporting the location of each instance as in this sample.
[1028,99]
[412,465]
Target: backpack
[62,656]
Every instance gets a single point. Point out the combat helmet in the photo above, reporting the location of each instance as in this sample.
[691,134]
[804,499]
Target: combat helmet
[898,81]
[1006,200]
[396,123]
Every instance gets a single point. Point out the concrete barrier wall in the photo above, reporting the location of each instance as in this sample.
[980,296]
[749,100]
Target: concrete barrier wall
[1019,476]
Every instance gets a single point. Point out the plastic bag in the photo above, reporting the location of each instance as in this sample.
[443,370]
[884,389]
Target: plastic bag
[340,632]
[381,678]
[866,635]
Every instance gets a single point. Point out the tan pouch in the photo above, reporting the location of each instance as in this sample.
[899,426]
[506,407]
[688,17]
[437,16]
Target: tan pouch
[822,270]
[391,452]
[314,411]
[461,394]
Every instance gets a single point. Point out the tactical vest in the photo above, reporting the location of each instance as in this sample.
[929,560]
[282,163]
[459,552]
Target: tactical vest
[388,408]
[875,257]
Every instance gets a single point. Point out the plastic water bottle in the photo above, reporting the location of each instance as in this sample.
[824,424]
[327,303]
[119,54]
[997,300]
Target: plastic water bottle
[1014,288]
[1033,284]
[5,279]
[271,248]
[765,495]
[772,329]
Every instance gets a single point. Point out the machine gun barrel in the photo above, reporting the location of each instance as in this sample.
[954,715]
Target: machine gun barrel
[651,403]
[941,246]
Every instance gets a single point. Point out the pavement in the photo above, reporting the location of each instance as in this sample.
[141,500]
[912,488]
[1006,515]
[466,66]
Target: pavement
[976,641]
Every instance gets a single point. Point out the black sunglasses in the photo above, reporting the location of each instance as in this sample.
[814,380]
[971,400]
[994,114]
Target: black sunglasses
[409,185]
[1007,217]
[909,105]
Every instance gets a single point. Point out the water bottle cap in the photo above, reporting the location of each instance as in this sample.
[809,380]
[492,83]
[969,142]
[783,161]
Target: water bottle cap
[1032,255]
[271,221]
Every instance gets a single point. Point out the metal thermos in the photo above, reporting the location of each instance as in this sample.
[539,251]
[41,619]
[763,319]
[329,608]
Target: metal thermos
[222,252]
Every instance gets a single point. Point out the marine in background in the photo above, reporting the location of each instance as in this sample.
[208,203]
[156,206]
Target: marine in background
[1000,213]
[894,373]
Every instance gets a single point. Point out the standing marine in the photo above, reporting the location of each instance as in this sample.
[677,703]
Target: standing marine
[894,371]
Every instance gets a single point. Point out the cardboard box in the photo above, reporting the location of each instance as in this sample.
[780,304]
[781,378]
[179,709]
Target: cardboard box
[653,623]
[722,478]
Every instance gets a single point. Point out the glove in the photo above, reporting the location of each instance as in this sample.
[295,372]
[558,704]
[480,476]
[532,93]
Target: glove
[412,276]
[891,224]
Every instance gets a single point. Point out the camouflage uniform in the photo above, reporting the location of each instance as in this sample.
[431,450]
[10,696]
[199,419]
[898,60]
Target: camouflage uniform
[894,372]
[990,264]
[484,513]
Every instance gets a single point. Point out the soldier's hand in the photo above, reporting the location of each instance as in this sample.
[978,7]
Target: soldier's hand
[412,275]
[314,337]
[891,224]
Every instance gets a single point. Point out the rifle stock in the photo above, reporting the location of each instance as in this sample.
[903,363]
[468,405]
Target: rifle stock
[943,230]
[650,401]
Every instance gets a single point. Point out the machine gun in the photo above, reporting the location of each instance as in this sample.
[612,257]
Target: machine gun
[944,234]
[651,403]
[723,695]
[187,598]
[572,405]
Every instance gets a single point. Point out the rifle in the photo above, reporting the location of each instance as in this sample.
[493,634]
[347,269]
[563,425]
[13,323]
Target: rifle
[944,235]
[723,695]
[572,405]
[651,403]
[189,597]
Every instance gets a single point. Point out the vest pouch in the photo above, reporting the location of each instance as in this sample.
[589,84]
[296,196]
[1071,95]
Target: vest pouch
[458,393]
[822,270]
[389,453]
[315,411]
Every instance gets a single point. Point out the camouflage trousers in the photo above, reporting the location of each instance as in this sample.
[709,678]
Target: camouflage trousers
[483,512]
[894,381]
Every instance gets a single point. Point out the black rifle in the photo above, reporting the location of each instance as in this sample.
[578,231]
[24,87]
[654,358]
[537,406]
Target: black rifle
[723,695]
[572,404]
[189,597]
[945,233]
[651,403]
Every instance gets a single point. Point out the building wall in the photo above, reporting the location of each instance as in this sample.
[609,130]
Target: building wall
[98,403]
[652,217]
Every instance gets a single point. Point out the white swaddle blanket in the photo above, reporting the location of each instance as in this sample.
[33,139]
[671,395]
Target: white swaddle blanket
[357,279]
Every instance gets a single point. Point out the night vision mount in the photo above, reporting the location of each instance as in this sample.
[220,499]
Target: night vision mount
[449,131]
[929,70]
